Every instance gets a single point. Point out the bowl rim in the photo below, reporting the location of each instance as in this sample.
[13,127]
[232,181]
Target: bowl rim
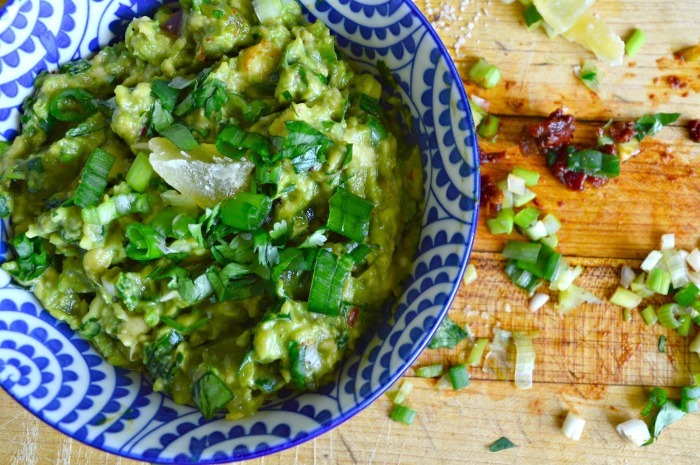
[366,401]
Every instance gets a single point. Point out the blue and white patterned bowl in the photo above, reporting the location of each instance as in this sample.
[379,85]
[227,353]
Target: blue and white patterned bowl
[58,376]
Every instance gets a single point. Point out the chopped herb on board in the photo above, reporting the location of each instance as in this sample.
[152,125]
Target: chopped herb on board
[448,335]
[501,444]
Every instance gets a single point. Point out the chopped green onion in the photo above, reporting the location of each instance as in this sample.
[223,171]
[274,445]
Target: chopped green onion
[668,241]
[501,444]
[478,113]
[693,259]
[635,431]
[330,274]
[546,265]
[349,215]
[326,50]
[90,329]
[524,360]
[32,259]
[459,377]
[667,315]
[537,231]
[573,296]
[477,352]
[533,18]
[297,361]
[531,177]
[625,298]
[489,127]
[432,371]
[538,300]
[469,275]
[651,260]
[573,425]
[139,173]
[635,42]
[662,343]
[246,211]
[93,179]
[443,383]
[116,207]
[626,276]
[675,263]
[516,184]
[268,9]
[658,280]
[551,223]
[684,328]
[520,277]
[589,75]
[641,290]
[403,414]
[521,199]
[690,392]
[626,315]
[565,276]
[526,251]
[594,163]
[526,217]
[550,241]
[210,394]
[657,397]
[503,223]
[72,105]
[484,74]
[690,405]
[649,315]
[686,296]
[404,391]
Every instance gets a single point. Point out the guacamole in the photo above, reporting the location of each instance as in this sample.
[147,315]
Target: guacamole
[218,201]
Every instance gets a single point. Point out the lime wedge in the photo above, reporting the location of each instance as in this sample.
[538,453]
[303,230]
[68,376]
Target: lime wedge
[560,15]
[596,36]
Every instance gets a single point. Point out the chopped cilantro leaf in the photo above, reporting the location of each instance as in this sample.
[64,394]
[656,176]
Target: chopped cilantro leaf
[649,125]
[448,335]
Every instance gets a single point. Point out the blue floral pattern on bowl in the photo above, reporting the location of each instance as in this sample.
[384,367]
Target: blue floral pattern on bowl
[57,375]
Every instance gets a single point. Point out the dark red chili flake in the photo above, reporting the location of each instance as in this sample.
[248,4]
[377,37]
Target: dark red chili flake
[351,317]
[610,149]
[491,195]
[554,132]
[694,129]
[490,157]
[622,131]
[527,144]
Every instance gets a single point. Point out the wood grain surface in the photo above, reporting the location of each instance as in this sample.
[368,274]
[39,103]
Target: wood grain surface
[589,360]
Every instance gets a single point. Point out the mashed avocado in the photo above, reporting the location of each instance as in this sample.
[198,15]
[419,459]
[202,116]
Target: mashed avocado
[220,203]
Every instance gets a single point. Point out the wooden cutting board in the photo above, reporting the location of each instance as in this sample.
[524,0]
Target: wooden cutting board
[590,360]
